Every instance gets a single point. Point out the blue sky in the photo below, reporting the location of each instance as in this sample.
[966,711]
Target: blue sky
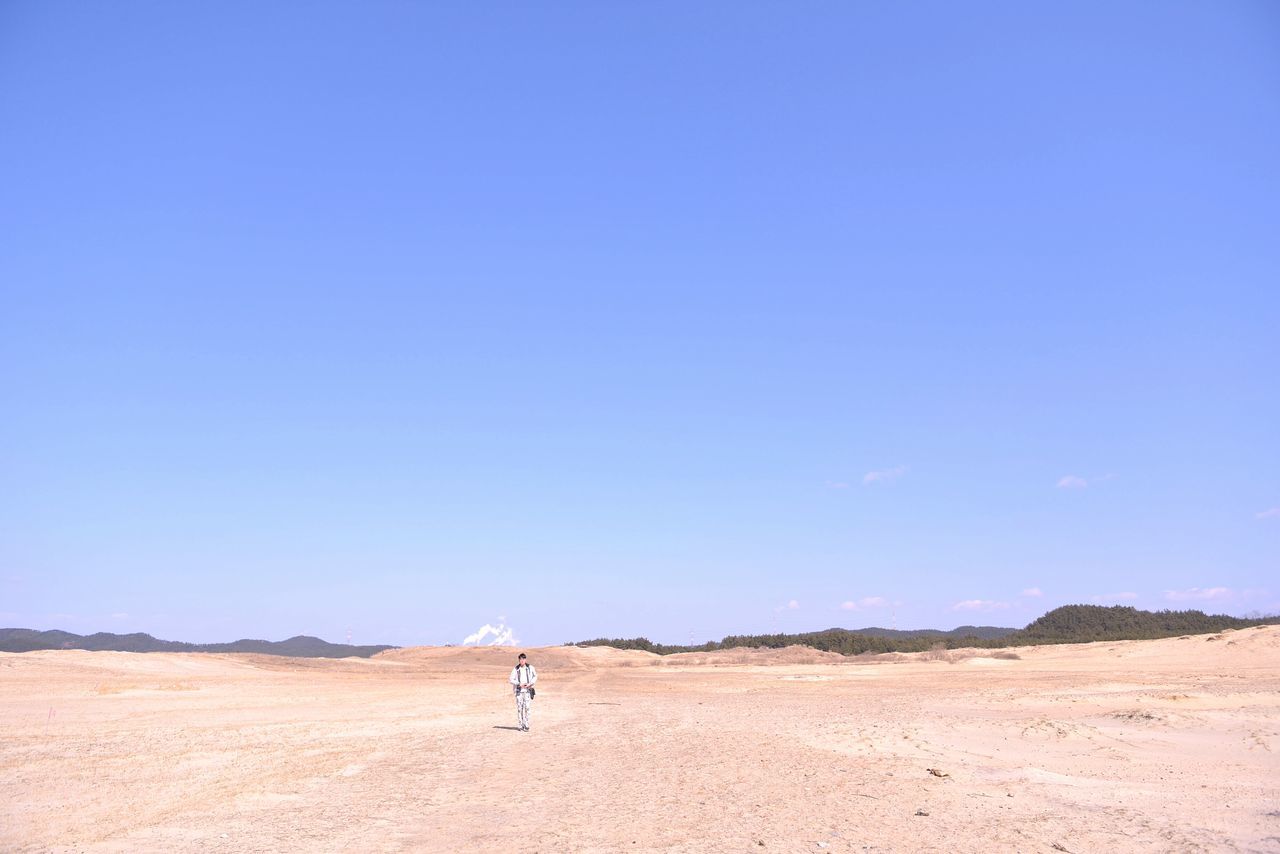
[678,320]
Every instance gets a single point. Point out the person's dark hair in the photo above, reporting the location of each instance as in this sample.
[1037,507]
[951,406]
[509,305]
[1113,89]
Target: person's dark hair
[521,655]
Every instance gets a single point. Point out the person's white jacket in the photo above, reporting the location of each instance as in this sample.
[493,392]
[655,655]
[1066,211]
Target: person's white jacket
[529,677]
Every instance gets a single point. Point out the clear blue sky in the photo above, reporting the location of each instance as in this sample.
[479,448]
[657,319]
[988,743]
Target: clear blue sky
[667,319]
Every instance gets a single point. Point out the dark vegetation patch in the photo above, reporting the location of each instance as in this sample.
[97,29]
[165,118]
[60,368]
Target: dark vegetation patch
[1068,624]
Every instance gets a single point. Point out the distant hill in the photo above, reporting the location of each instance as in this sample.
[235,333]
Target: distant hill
[1083,623]
[844,641]
[302,646]
[1068,624]
[982,632]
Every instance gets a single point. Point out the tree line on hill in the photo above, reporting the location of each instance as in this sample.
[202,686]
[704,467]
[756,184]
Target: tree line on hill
[1067,624]
[301,646]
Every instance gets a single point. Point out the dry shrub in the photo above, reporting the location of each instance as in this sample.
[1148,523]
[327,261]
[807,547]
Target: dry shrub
[938,652]
[113,688]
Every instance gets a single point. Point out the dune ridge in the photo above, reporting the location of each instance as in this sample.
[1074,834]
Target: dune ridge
[1163,745]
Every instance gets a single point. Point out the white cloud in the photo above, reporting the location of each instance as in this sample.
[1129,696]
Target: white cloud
[864,602]
[793,605]
[1071,481]
[1033,591]
[1113,597]
[883,475]
[119,615]
[1197,593]
[979,605]
[837,484]
[502,635]
[1269,513]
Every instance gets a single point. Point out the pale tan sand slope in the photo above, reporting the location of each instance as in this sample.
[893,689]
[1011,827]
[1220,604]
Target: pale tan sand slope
[1169,745]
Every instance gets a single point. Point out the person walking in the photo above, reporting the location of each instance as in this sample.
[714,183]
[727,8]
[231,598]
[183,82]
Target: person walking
[522,678]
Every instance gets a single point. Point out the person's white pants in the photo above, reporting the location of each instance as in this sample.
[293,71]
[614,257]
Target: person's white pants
[523,704]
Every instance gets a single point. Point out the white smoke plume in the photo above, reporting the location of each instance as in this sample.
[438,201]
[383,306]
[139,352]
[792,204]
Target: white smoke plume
[502,635]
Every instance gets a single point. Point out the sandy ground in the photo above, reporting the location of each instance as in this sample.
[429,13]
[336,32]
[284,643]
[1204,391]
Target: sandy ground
[1167,745]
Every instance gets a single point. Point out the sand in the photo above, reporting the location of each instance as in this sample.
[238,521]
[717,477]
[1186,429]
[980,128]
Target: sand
[1168,745]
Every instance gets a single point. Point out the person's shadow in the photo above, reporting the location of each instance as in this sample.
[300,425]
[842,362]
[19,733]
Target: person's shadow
[512,728]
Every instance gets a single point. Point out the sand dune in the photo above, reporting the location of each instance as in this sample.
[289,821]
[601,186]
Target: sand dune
[1167,745]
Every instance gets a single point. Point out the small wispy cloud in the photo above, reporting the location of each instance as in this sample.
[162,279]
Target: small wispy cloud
[837,484]
[792,605]
[864,602]
[1032,591]
[1269,513]
[1192,594]
[883,475]
[1071,481]
[979,605]
[119,615]
[1113,597]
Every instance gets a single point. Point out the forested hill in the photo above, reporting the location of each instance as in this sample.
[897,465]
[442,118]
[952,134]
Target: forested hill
[1083,623]
[845,641]
[302,646]
[1068,624]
